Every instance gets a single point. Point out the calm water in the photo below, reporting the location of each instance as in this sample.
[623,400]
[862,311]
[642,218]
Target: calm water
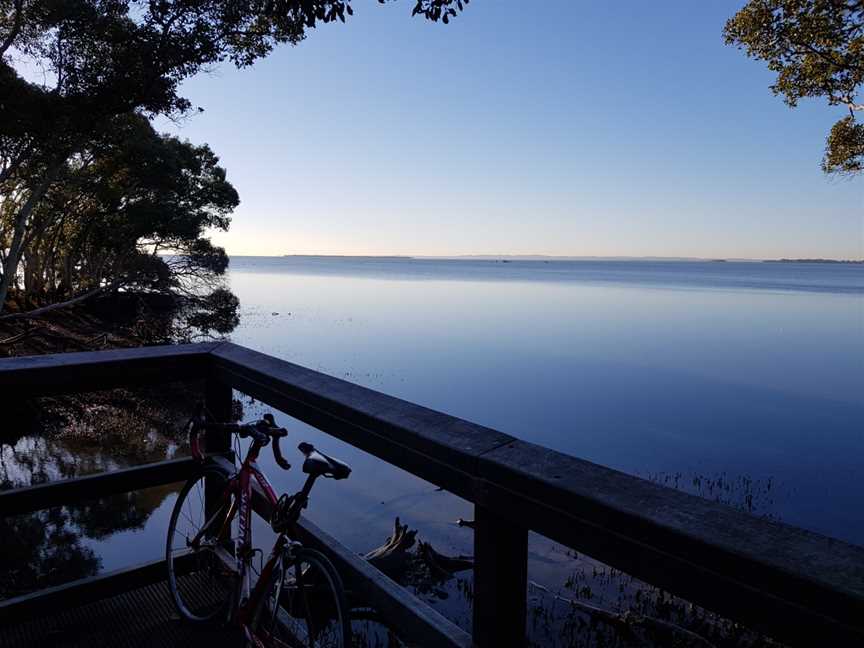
[743,381]
[751,372]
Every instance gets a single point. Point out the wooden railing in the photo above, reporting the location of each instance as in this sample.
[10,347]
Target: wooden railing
[797,586]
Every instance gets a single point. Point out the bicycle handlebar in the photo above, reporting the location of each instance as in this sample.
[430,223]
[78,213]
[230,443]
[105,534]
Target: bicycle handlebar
[261,432]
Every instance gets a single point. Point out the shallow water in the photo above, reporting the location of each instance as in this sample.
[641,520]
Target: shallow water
[737,381]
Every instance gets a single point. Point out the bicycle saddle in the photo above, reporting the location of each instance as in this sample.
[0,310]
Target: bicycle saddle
[317,463]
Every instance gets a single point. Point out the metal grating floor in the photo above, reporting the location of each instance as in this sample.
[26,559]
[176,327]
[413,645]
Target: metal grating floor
[139,618]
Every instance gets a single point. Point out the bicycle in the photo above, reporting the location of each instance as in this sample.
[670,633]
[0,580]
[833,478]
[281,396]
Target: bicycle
[298,599]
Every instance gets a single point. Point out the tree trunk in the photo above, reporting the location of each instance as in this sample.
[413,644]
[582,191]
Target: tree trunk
[10,268]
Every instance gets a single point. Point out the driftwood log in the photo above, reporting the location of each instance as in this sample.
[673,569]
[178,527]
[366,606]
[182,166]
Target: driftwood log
[392,557]
[405,559]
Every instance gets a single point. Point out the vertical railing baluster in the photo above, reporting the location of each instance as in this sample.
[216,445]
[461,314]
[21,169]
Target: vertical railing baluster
[218,401]
[500,580]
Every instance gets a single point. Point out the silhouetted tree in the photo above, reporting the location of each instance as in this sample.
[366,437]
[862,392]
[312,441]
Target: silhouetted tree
[128,196]
[816,47]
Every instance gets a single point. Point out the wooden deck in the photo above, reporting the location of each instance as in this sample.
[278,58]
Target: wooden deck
[140,618]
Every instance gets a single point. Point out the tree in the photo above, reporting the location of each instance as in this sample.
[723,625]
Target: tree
[816,47]
[128,196]
[69,68]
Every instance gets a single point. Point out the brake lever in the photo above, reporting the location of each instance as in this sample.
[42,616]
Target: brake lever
[277,455]
[267,421]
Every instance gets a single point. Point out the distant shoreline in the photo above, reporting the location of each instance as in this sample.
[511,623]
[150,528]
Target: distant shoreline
[334,256]
[546,258]
[846,261]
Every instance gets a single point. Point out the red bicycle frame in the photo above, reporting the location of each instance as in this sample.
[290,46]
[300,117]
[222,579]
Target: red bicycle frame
[240,486]
[236,500]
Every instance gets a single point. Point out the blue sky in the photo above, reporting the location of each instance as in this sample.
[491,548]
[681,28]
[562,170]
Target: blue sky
[559,127]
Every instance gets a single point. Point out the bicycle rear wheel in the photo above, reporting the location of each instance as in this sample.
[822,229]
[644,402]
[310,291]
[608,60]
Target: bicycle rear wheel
[304,606]
[200,581]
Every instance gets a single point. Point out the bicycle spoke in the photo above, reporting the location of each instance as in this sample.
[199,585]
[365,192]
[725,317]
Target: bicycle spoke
[204,585]
[200,499]
[304,596]
[302,609]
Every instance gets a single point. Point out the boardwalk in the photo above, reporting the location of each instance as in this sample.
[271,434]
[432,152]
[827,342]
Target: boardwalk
[140,618]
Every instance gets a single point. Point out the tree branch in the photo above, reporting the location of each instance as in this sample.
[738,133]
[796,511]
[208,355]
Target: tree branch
[16,27]
[39,312]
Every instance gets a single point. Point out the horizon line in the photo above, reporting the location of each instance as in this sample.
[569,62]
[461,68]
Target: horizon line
[546,257]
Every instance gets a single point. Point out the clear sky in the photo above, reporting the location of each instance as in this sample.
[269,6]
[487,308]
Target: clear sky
[561,127]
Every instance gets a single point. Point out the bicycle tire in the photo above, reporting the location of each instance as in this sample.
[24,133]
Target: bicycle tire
[201,587]
[311,594]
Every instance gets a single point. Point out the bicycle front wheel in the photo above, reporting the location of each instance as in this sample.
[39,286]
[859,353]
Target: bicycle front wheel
[199,544]
[304,605]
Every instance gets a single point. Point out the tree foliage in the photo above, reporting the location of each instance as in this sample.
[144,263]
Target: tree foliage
[128,196]
[816,48]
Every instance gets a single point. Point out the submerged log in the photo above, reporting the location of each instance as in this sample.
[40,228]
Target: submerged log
[396,558]
[447,564]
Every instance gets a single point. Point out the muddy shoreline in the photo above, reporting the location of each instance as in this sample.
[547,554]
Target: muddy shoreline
[122,320]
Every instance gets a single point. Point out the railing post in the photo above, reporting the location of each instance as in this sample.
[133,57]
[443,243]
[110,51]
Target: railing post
[500,580]
[218,398]
[218,401]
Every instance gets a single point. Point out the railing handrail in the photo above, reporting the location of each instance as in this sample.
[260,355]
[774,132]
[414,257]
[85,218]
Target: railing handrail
[82,371]
[25,499]
[787,581]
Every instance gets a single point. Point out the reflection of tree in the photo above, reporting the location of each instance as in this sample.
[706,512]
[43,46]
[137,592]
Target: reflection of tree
[80,436]
[99,519]
[63,437]
[30,461]
[40,550]
[45,548]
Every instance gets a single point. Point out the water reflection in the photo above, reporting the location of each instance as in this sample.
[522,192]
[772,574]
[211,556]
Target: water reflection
[83,435]
[42,549]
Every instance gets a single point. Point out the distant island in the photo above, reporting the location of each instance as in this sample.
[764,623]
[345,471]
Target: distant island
[853,261]
[348,257]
